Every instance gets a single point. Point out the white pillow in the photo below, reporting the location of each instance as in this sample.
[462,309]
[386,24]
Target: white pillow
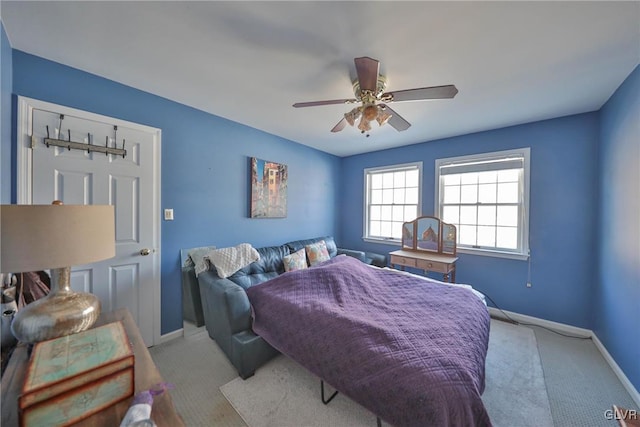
[229,260]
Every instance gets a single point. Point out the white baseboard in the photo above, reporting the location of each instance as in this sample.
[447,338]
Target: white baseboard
[573,330]
[621,376]
[171,336]
[560,327]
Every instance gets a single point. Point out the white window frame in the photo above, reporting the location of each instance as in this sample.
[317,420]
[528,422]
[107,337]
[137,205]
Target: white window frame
[522,252]
[367,195]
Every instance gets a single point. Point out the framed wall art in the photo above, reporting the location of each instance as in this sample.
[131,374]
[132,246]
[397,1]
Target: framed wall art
[268,189]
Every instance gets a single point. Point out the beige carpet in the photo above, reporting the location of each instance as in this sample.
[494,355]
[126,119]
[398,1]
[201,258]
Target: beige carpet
[283,394]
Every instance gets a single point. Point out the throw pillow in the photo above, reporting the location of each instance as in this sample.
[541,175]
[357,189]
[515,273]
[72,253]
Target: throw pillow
[295,261]
[317,253]
[229,260]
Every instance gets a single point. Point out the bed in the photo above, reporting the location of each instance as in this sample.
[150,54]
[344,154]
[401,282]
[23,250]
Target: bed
[410,350]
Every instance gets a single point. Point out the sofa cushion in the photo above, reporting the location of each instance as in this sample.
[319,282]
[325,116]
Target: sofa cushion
[296,261]
[269,265]
[296,245]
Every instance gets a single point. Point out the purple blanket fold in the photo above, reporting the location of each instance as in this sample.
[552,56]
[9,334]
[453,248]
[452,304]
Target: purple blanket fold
[412,351]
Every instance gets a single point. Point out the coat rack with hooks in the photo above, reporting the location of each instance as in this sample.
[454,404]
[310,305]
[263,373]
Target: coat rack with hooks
[88,147]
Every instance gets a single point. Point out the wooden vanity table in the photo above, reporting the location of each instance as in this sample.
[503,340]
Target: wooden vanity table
[428,244]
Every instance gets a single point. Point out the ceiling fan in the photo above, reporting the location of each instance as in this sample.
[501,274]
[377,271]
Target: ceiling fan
[369,92]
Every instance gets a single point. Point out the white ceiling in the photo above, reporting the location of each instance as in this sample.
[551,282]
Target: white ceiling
[513,62]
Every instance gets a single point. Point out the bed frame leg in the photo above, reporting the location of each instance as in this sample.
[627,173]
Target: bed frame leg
[326,401]
[378,422]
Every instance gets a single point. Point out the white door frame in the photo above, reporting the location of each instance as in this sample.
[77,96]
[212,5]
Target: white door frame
[24,186]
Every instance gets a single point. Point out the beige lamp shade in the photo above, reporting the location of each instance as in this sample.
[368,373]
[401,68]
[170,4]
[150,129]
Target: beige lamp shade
[39,237]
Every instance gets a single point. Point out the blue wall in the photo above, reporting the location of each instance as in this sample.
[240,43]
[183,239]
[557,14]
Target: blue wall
[617,291]
[6,82]
[562,218]
[205,169]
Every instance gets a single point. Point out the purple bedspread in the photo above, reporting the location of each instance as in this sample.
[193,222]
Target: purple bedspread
[410,350]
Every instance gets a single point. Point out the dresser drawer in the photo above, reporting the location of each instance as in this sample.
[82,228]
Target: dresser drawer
[438,267]
[400,260]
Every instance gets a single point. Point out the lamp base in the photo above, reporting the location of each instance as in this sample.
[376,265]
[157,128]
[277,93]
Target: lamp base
[62,312]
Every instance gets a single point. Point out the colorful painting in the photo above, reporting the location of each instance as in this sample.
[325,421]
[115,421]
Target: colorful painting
[268,189]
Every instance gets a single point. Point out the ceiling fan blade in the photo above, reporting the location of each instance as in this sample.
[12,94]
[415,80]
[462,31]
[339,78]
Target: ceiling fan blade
[341,124]
[397,121]
[434,92]
[368,70]
[330,102]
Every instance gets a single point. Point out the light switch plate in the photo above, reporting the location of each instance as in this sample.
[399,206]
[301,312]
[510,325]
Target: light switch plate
[168,214]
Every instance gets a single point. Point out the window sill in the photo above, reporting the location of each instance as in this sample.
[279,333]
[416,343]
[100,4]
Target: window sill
[389,241]
[494,254]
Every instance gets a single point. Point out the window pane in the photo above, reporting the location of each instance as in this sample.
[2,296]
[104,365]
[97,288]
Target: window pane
[507,238]
[451,214]
[376,197]
[411,196]
[487,193]
[387,180]
[410,213]
[396,230]
[412,177]
[387,196]
[469,178]
[508,215]
[374,213]
[469,194]
[488,176]
[385,213]
[467,235]
[385,229]
[376,181]
[398,179]
[486,215]
[508,192]
[487,236]
[451,194]
[468,214]
[509,175]
[374,228]
[398,196]
[398,213]
[452,179]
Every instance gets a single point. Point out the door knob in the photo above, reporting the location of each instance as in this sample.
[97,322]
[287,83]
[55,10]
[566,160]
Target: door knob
[145,251]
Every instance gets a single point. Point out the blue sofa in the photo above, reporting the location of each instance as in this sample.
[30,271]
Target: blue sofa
[226,308]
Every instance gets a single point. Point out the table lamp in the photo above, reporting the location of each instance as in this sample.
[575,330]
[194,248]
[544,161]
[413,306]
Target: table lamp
[40,237]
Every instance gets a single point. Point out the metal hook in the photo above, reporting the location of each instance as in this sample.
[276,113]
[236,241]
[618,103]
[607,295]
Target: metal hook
[48,134]
[89,142]
[69,146]
[125,151]
[106,145]
[60,125]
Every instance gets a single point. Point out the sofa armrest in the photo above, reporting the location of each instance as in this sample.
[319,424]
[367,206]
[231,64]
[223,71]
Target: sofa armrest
[379,260]
[226,308]
[352,253]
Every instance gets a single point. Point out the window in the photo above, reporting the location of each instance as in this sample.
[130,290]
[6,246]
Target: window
[392,196]
[486,196]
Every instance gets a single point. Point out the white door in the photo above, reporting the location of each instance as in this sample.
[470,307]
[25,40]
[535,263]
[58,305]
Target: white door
[131,278]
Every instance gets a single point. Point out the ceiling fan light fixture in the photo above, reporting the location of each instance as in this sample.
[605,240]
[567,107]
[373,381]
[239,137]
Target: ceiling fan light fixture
[370,112]
[352,116]
[364,124]
[383,117]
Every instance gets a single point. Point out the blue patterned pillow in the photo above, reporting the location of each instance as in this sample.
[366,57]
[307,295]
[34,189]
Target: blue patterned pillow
[295,261]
